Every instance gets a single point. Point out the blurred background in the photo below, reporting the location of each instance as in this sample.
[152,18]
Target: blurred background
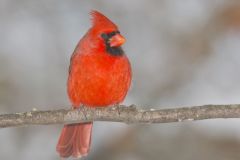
[182,54]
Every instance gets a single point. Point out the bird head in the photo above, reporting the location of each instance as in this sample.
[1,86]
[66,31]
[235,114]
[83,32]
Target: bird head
[106,34]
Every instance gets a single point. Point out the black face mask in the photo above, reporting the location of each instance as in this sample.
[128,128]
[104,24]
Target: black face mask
[115,51]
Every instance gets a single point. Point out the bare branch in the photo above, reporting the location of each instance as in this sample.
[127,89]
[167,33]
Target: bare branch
[121,113]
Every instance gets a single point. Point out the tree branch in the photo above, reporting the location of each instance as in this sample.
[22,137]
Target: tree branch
[121,113]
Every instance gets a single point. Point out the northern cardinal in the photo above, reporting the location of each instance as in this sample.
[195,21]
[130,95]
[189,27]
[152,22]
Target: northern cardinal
[99,75]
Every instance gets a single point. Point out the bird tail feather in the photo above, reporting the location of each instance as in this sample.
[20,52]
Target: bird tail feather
[75,140]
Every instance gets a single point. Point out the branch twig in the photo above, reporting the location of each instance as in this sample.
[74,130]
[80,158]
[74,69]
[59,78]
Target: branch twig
[127,114]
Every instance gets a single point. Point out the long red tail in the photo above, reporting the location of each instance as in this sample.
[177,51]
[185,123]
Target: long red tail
[75,140]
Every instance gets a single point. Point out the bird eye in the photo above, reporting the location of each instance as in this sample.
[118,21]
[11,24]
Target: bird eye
[113,33]
[104,36]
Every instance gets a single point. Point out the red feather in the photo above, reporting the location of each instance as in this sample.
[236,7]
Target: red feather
[100,22]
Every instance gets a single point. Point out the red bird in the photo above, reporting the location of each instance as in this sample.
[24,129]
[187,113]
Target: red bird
[99,75]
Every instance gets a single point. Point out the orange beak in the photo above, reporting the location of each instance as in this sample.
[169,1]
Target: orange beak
[117,40]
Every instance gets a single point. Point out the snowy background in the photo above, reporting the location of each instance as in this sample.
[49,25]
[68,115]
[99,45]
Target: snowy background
[183,53]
